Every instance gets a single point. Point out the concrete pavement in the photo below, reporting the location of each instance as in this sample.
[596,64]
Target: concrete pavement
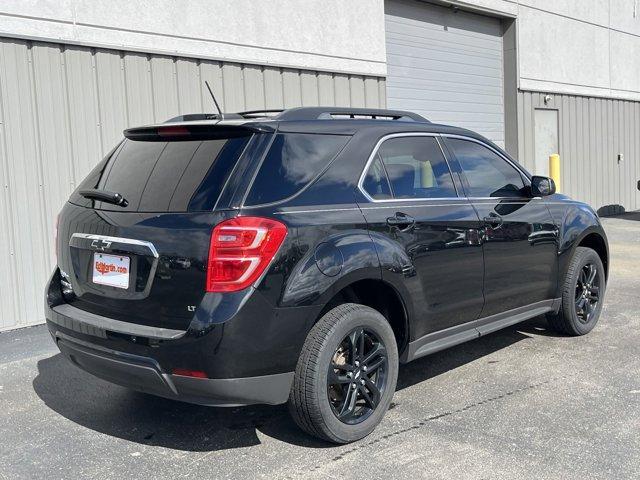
[520,403]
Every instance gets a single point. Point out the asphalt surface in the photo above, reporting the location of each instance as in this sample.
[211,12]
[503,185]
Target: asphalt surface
[520,403]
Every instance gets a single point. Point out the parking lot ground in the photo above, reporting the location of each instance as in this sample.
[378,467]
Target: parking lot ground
[520,403]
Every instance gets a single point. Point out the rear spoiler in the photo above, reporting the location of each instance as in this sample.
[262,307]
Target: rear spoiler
[200,131]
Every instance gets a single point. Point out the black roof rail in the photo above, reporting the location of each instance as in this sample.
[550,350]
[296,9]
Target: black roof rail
[307,113]
[328,113]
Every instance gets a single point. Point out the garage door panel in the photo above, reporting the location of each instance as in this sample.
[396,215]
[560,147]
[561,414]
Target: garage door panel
[411,33]
[430,74]
[446,66]
[434,51]
[445,86]
[436,104]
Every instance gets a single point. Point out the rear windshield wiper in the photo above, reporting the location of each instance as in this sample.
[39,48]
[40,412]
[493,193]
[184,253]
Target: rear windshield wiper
[105,196]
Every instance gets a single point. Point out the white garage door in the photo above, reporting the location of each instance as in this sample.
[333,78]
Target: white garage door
[445,65]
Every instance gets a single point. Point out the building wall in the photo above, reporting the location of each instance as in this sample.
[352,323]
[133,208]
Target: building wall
[63,107]
[592,133]
[584,55]
[329,35]
[574,46]
[98,66]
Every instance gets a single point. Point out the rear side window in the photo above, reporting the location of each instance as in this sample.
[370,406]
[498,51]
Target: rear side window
[293,160]
[415,168]
[175,176]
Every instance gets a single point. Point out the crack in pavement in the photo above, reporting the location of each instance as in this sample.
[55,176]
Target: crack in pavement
[424,422]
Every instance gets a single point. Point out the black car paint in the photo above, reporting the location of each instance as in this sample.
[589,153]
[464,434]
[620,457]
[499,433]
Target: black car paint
[439,269]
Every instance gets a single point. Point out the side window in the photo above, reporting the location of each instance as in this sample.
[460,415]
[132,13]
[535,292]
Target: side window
[487,174]
[416,168]
[376,183]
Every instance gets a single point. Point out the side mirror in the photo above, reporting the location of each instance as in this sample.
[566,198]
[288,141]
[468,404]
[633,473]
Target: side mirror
[542,186]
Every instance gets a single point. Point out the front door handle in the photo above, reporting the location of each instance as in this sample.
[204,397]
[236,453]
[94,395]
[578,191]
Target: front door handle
[493,220]
[401,221]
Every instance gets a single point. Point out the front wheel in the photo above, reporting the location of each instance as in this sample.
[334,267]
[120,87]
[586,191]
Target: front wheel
[582,294]
[346,375]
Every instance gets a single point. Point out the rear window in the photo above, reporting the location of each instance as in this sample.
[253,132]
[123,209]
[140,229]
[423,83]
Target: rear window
[174,176]
[293,160]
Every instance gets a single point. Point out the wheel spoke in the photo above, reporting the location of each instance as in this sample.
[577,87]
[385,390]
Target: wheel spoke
[588,309]
[360,343]
[335,379]
[373,389]
[371,368]
[580,303]
[371,403]
[582,277]
[592,274]
[349,403]
[356,339]
[377,350]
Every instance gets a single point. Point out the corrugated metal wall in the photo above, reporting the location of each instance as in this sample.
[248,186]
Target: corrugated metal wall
[592,132]
[63,107]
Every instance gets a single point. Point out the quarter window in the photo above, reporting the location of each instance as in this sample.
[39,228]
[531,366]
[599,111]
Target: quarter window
[376,183]
[414,167]
[292,162]
[487,174]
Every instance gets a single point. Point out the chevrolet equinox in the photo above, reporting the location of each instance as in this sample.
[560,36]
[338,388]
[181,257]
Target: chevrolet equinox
[301,256]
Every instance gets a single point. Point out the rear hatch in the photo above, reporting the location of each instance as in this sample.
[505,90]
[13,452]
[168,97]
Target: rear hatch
[144,259]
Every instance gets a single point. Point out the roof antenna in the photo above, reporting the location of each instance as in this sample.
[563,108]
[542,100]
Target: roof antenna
[214,100]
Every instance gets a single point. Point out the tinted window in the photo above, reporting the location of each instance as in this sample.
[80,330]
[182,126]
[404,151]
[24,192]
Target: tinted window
[167,176]
[376,183]
[487,174]
[293,160]
[416,168]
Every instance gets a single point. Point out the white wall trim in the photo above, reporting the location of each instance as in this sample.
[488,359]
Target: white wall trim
[529,84]
[329,36]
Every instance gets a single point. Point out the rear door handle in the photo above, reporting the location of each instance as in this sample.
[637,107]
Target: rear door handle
[493,220]
[401,221]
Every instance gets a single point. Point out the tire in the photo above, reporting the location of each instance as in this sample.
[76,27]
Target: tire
[568,320]
[314,404]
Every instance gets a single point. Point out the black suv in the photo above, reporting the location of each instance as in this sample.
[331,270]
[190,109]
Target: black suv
[303,256]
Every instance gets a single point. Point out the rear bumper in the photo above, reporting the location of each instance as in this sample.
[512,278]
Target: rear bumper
[144,374]
[248,357]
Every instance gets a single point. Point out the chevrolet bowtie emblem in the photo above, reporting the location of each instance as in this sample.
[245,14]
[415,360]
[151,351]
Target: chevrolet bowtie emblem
[100,244]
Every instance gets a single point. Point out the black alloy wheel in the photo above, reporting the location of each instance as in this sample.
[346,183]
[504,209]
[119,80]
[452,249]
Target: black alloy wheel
[582,290]
[587,292]
[346,374]
[357,376]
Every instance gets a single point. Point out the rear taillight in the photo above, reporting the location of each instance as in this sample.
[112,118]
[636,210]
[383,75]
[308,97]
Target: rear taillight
[240,250]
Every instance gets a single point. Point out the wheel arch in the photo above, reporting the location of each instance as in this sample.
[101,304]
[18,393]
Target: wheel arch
[578,226]
[382,297]
[595,241]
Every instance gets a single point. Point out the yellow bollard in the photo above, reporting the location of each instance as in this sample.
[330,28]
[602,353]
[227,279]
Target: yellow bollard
[554,169]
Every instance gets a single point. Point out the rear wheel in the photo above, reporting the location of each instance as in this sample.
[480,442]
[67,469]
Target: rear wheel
[582,294]
[346,376]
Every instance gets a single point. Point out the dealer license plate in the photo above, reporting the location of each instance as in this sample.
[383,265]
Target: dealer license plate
[112,270]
